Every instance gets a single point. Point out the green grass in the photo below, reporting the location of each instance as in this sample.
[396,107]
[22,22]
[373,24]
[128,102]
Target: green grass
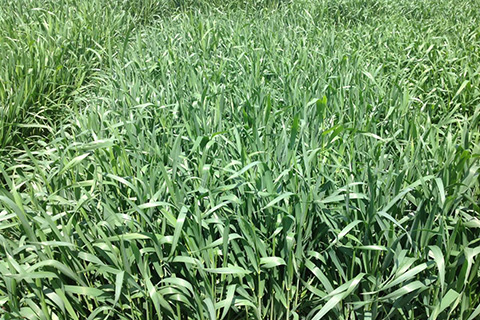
[247,160]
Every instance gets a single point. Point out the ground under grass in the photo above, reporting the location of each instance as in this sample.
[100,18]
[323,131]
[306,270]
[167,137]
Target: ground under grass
[244,160]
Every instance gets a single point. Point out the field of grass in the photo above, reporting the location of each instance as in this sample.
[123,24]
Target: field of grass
[255,159]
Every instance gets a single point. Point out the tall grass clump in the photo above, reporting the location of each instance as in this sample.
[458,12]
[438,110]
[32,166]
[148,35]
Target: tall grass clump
[312,160]
[49,51]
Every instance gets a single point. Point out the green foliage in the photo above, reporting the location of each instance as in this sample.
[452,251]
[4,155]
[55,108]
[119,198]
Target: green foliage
[49,50]
[308,160]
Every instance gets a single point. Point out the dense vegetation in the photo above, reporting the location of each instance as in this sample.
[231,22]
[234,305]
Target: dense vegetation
[239,160]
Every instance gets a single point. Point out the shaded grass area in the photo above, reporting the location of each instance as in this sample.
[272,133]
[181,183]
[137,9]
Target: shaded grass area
[51,49]
[300,161]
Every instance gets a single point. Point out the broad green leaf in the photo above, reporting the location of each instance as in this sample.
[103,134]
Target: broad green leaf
[446,301]
[440,262]
[334,297]
[406,289]
[278,199]
[178,228]
[407,276]
[75,161]
[228,270]
[92,292]
[271,262]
